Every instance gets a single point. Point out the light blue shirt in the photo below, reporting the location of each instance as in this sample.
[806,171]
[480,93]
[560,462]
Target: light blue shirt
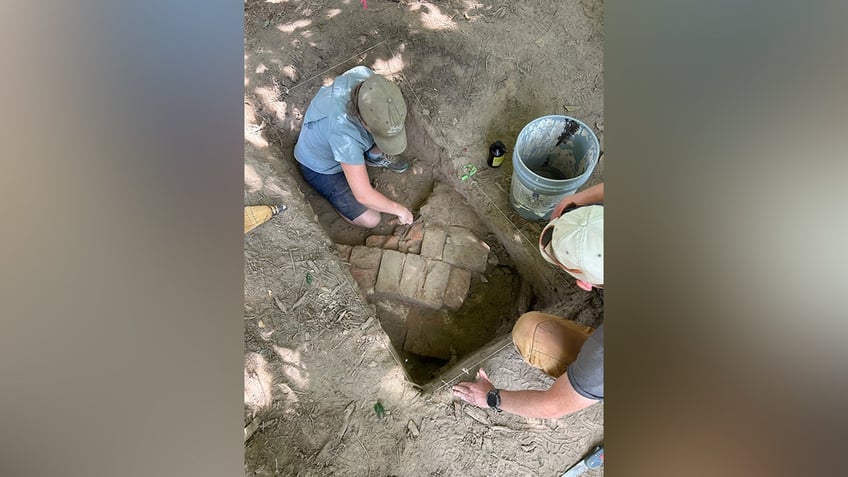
[329,136]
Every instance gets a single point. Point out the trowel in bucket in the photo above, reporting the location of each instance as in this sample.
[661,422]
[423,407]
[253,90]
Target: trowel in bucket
[570,129]
[592,461]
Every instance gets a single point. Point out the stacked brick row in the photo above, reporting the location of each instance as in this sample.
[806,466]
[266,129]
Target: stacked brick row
[429,265]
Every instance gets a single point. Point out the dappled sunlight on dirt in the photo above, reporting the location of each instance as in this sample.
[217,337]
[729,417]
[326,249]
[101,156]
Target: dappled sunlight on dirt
[246,77]
[393,385]
[288,355]
[432,17]
[291,397]
[290,27]
[471,5]
[290,72]
[268,94]
[252,181]
[389,67]
[253,132]
[267,186]
[258,382]
[292,367]
[270,97]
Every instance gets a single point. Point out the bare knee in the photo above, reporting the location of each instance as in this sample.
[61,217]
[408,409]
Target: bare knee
[369,219]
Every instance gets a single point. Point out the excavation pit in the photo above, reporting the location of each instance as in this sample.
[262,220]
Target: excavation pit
[448,288]
[316,352]
[443,287]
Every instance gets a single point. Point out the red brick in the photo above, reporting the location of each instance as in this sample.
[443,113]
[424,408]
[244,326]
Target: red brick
[343,251]
[464,249]
[463,237]
[433,242]
[457,287]
[365,278]
[462,215]
[391,242]
[365,257]
[364,264]
[435,284]
[375,240]
[471,258]
[414,271]
[391,268]
[413,245]
[415,233]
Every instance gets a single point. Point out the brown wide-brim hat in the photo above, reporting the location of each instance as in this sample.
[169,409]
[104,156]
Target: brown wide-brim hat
[383,109]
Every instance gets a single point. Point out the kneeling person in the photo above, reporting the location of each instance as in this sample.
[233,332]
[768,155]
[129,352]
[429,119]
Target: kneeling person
[572,353]
[356,121]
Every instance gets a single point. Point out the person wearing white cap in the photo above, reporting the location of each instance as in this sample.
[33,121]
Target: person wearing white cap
[355,122]
[571,353]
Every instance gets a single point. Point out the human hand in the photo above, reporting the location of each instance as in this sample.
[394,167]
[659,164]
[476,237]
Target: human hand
[592,195]
[405,216]
[474,392]
[561,206]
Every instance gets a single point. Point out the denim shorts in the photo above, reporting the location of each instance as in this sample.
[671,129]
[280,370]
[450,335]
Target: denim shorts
[336,190]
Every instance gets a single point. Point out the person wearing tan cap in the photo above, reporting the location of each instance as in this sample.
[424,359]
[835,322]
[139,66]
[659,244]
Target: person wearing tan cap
[357,121]
[571,353]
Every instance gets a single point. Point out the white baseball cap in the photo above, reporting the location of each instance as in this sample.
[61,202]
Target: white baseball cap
[575,243]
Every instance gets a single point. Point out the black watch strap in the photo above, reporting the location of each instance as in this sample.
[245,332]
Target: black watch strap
[493,399]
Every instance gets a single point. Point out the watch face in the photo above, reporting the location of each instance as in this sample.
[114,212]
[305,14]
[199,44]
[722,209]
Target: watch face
[493,399]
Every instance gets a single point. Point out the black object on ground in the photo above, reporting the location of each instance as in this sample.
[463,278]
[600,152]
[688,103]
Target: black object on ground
[570,129]
[496,154]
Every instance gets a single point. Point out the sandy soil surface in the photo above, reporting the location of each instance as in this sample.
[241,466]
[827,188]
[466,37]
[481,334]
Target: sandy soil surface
[316,358]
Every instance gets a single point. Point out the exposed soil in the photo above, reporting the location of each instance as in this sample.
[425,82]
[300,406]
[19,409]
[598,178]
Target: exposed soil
[449,336]
[317,356]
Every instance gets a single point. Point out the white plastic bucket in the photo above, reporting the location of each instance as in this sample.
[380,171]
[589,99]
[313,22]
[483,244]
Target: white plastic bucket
[544,173]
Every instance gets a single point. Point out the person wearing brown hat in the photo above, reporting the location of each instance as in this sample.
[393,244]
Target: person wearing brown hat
[357,121]
[571,353]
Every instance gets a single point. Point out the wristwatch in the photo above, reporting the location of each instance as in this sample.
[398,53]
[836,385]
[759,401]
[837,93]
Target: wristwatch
[493,399]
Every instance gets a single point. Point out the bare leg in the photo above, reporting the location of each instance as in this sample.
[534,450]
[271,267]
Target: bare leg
[369,219]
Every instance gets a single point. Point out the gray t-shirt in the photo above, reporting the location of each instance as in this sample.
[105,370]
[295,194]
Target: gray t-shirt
[330,136]
[586,373]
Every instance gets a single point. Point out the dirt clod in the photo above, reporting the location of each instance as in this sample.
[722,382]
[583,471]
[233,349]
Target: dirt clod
[413,429]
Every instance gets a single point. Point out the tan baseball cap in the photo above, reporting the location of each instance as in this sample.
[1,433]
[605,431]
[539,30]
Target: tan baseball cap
[575,241]
[383,109]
